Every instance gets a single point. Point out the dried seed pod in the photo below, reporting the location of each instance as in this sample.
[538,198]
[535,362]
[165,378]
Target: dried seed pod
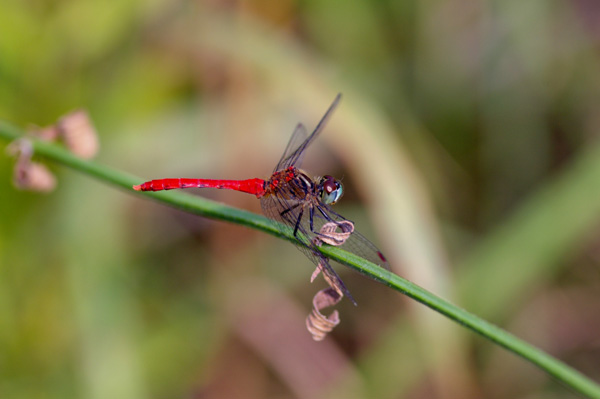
[79,134]
[28,175]
[317,323]
[33,176]
[49,133]
[330,235]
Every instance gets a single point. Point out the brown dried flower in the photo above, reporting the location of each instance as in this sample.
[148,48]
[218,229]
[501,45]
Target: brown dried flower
[317,323]
[79,134]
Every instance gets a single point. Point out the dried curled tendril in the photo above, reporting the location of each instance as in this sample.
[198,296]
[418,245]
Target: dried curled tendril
[317,323]
[74,129]
[331,236]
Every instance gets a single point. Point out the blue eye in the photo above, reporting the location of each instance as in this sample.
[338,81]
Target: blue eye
[330,190]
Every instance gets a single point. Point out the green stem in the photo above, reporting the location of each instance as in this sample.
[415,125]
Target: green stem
[203,207]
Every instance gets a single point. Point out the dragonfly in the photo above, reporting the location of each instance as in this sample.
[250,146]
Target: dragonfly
[299,203]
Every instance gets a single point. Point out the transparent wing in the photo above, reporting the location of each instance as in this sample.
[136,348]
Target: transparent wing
[298,137]
[356,243]
[296,217]
[295,148]
[307,217]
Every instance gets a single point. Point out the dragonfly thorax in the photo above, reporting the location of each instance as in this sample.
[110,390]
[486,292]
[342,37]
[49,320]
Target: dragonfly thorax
[292,183]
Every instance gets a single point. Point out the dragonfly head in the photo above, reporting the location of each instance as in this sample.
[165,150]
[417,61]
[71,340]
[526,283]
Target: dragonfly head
[330,190]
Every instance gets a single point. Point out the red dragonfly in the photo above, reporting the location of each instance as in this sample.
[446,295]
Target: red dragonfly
[300,203]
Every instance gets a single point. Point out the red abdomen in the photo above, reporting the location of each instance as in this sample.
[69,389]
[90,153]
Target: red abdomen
[250,186]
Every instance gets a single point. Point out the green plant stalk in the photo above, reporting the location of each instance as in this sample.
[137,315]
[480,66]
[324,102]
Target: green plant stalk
[211,209]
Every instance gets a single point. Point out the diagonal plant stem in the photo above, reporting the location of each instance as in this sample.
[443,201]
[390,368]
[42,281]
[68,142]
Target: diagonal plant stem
[203,207]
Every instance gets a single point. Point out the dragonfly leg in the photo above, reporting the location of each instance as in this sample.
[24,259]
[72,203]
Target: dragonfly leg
[297,226]
[311,214]
[284,215]
[342,224]
[328,218]
[311,219]
[291,208]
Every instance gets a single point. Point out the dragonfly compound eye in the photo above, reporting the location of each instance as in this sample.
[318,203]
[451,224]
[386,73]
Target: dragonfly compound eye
[331,190]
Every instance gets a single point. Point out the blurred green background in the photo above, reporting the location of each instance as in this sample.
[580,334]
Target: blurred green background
[467,140]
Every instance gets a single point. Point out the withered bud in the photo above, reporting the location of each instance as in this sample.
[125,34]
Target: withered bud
[49,133]
[317,324]
[330,235]
[33,176]
[79,134]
